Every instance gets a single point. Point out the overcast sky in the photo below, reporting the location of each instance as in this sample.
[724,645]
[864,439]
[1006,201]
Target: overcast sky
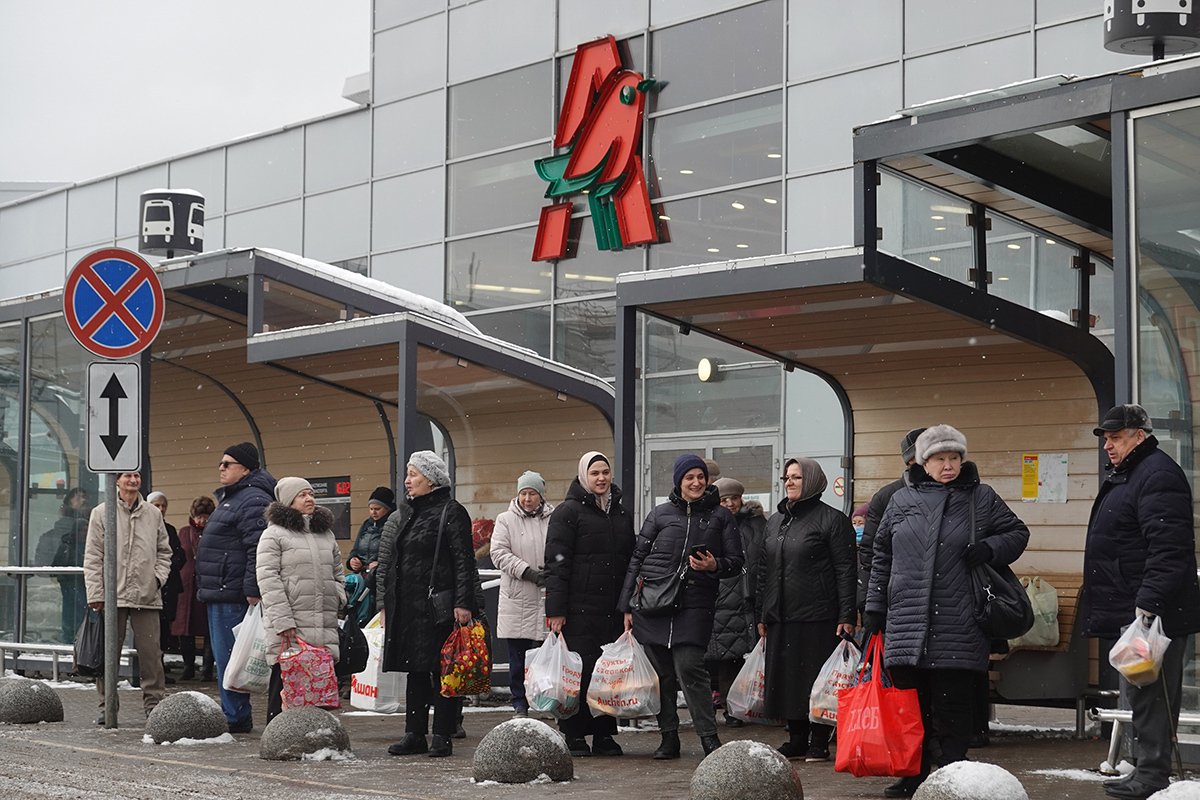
[89,88]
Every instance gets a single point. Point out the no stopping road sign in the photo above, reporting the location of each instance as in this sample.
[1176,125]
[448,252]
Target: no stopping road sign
[113,303]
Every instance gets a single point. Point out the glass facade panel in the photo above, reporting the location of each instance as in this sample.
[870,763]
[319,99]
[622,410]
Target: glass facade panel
[808,398]
[54,606]
[717,145]
[721,226]
[877,94]
[968,69]
[286,307]
[266,169]
[1100,292]
[750,55]
[129,197]
[664,12]
[1055,279]
[940,23]
[10,428]
[337,152]
[830,40]
[409,60]
[1051,10]
[204,173]
[494,271]
[419,269]
[486,38]
[337,225]
[499,110]
[1010,254]
[495,191]
[410,134]
[279,226]
[740,400]
[409,210]
[591,270]
[91,213]
[585,335]
[33,228]
[820,210]
[527,327]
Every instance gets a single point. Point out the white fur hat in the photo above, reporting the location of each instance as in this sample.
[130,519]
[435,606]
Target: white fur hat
[940,439]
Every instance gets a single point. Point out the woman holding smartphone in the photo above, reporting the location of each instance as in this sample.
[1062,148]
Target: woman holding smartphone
[688,544]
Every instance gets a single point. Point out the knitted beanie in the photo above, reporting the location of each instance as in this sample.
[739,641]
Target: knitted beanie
[384,496]
[940,439]
[685,464]
[532,480]
[245,454]
[287,489]
[429,464]
[908,445]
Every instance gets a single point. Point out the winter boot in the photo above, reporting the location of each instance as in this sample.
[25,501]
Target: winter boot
[412,744]
[709,743]
[795,747]
[606,746]
[441,747]
[669,747]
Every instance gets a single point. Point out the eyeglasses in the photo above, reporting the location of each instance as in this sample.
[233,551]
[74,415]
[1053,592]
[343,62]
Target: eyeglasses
[227,464]
[786,478]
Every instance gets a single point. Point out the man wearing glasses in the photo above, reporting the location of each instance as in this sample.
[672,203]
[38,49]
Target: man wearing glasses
[225,563]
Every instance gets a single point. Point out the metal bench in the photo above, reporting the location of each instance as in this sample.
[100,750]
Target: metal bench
[1123,716]
[55,651]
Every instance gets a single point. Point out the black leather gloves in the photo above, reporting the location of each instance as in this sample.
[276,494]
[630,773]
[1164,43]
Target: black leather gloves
[978,553]
[534,576]
[872,623]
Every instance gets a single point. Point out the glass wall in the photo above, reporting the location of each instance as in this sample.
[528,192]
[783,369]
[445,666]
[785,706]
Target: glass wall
[10,489]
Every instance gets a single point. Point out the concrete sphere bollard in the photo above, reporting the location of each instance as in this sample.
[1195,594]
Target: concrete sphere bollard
[186,715]
[521,750]
[971,780]
[746,770]
[302,731]
[24,702]
[1180,790]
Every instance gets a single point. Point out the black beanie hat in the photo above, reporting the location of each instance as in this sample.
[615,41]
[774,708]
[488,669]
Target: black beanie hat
[908,445]
[384,495]
[245,454]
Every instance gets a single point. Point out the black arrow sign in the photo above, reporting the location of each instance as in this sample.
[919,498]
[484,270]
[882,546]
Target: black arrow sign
[113,393]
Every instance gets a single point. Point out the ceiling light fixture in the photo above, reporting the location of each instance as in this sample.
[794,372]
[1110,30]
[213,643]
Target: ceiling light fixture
[770,200]
[686,172]
[738,206]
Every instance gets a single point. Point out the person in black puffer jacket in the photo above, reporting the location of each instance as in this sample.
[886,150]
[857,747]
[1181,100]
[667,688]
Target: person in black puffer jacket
[588,545]
[225,563]
[805,600]
[733,633]
[921,587]
[693,536]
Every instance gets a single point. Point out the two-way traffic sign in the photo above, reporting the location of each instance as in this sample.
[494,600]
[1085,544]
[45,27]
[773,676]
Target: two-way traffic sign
[114,416]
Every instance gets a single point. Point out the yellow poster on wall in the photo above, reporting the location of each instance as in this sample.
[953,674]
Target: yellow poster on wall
[1029,477]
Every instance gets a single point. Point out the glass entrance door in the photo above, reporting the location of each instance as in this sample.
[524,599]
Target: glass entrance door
[753,461]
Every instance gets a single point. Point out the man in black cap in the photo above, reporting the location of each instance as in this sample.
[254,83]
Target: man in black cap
[1139,562]
[875,509]
[226,562]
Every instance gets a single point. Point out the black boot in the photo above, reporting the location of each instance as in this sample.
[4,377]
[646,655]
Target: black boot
[795,747]
[412,744]
[905,787]
[669,747]
[441,747]
[709,743]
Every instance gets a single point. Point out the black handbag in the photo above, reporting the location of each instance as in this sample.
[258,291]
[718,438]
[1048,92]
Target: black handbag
[352,647]
[1002,608]
[440,604]
[660,595]
[89,645]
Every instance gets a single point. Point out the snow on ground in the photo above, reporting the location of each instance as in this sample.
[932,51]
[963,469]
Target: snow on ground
[1180,790]
[1071,774]
[224,738]
[328,754]
[90,686]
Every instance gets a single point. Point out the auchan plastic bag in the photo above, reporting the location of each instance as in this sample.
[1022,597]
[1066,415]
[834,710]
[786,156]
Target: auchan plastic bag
[747,697]
[1138,654]
[624,683]
[248,670]
[552,677]
[838,672]
[373,689]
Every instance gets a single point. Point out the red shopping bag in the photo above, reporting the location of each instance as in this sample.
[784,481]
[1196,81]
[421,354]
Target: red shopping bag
[308,677]
[466,664]
[879,729]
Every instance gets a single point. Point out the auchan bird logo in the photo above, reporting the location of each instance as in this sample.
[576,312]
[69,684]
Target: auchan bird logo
[600,126]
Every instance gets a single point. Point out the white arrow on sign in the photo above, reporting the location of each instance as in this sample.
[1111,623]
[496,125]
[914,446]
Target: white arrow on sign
[114,416]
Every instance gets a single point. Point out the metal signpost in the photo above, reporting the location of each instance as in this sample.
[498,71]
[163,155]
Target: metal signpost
[113,304]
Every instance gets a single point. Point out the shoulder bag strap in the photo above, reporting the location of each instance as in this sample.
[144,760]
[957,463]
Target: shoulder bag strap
[437,546]
[971,512]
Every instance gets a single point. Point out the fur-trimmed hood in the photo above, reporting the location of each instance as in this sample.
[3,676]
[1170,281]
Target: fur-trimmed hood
[290,519]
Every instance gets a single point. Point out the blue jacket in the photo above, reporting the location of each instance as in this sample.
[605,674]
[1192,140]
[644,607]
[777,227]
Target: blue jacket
[1140,550]
[225,562]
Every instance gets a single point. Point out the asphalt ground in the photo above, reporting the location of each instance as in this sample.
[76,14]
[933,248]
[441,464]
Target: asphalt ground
[77,759]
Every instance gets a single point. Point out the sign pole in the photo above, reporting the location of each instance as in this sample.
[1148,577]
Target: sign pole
[112,646]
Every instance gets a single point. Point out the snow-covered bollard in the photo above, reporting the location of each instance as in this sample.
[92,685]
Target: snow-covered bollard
[971,780]
[186,715]
[303,731]
[1180,790]
[746,770]
[25,702]
[522,750]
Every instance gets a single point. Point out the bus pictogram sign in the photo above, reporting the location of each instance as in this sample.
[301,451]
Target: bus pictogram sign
[113,303]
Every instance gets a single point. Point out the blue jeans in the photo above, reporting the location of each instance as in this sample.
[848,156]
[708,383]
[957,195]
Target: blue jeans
[516,670]
[221,619]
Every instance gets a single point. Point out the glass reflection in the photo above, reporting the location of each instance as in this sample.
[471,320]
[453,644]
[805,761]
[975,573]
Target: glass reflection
[589,270]
[741,399]
[499,110]
[288,307]
[496,190]
[749,55]
[735,224]
[526,327]
[585,335]
[1010,260]
[495,270]
[718,145]
[10,489]
[925,226]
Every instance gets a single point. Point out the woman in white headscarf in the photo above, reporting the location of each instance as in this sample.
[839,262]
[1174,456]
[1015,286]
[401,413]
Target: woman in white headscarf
[588,547]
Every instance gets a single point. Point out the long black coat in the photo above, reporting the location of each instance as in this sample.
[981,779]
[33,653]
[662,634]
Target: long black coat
[225,562]
[587,554]
[733,626]
[411,641]
[667,536]
[807,569]
[1140,550]
[920,578]
[866,548]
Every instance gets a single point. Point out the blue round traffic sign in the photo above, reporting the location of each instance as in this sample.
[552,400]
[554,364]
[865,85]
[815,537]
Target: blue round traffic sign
[113,303]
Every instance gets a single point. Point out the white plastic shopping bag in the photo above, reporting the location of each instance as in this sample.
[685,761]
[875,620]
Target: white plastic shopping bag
[1138,654]
[624,683]
[840,671]
[552,677]
[747,695]
[1044,599]
[373,689]
[247,670]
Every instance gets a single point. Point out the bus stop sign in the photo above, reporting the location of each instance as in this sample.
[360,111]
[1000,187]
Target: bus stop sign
[113,303]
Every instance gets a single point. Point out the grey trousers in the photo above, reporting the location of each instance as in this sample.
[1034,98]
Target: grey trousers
[682,667]
[1153,718]
[146,628]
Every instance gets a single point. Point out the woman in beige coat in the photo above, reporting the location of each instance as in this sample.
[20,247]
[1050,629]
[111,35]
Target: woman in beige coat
[519,552]
[299,570]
